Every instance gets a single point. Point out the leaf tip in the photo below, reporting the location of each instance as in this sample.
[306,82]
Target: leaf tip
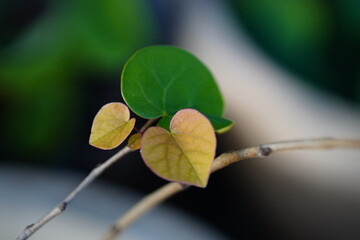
[225,129]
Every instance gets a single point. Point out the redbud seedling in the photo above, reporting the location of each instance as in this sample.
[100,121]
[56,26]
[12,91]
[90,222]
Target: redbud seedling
[174,90]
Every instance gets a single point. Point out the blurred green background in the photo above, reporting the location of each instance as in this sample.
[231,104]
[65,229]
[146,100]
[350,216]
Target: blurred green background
[316,39]
[60,61]
[57,58]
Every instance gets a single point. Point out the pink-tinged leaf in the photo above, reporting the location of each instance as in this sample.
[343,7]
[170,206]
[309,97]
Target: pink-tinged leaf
[111,126]
[185,154]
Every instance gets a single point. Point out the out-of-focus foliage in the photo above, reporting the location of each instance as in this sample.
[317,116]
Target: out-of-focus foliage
[319,40]
[40,66]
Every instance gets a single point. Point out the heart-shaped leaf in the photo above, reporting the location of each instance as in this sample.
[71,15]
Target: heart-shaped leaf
[158,81]
[111,126]
[185,154]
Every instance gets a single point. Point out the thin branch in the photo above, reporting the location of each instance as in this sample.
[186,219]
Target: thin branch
[147,124]
[29,230]
[225,159]
[143,206]
[61,207]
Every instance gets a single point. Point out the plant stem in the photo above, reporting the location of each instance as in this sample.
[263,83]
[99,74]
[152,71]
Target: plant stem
[143,206]
[155,198]
[147,125]
[29,230]
[61,207]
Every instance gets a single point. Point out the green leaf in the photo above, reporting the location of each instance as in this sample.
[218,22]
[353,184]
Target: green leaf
[164,122]
[185,154]
[158,81]
[221,125]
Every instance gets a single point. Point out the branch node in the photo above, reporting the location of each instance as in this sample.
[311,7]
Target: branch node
[264,151]
[29,226]
[63,206]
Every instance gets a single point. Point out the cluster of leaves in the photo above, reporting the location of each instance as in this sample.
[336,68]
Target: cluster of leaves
[169,84]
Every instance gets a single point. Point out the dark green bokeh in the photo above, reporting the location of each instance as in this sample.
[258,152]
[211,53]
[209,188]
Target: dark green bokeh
[42,66]
[315,39]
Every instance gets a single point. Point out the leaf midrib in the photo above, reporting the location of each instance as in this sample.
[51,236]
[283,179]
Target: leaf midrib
[187,158]
[113,130]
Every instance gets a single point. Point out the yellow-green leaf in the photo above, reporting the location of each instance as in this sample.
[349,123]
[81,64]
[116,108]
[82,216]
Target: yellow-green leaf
[111,126]
[134,141]
[185,154]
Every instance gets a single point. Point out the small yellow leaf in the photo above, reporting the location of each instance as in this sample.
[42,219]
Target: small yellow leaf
[111,126]
[185,154]
[134,141]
